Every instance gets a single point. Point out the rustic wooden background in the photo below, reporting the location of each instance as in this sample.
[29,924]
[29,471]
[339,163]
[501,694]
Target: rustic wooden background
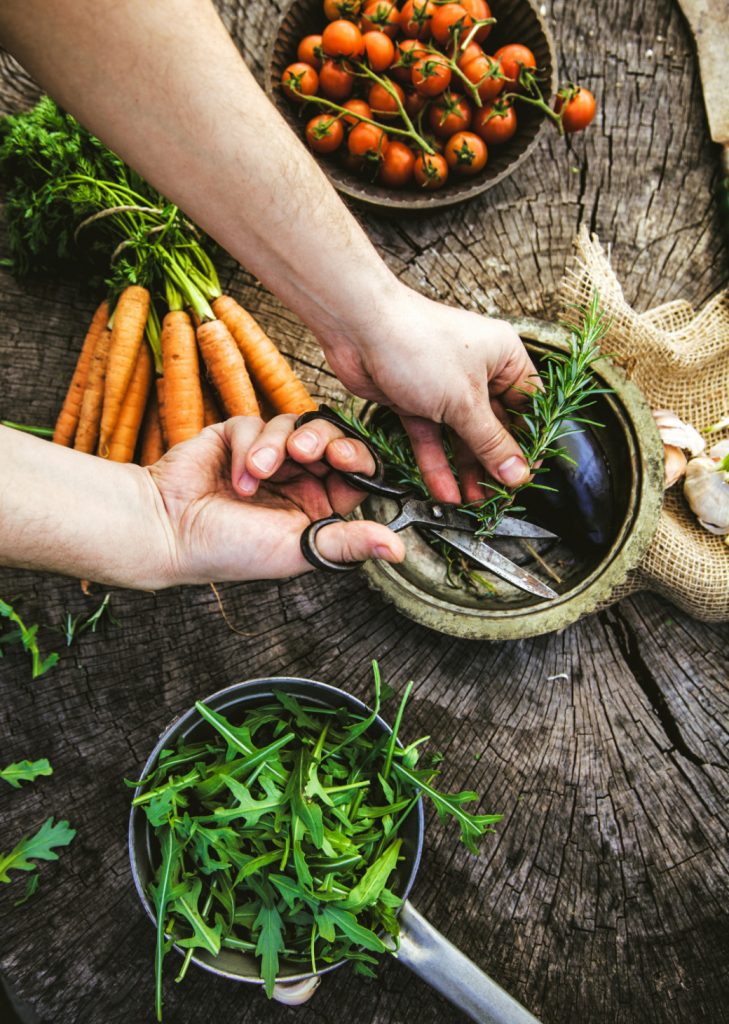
[603,895]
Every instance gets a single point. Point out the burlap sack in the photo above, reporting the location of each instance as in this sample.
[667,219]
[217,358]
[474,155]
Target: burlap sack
[680,361]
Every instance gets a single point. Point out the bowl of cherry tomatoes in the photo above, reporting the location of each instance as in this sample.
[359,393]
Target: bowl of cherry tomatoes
[414,104]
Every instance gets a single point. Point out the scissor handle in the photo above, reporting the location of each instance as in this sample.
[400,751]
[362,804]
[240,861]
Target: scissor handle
[313,555]
[374,484]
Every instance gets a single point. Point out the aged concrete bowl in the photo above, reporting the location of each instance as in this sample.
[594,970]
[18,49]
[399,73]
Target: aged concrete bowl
[518,21]
[632,449]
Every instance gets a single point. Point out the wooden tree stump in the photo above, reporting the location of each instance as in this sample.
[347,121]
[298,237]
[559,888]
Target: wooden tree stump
[602,897]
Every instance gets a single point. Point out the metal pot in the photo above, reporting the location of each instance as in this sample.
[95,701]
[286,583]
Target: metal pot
[423,949]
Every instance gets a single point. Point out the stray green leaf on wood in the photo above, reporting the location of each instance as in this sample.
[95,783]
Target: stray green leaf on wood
[26,635]
[25,771]
[40,846]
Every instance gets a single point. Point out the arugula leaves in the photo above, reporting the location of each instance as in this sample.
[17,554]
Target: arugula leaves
[279,834]
[27,636]
[25,771]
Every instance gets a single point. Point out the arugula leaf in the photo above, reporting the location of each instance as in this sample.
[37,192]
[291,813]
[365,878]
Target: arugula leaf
[160,892]
[39,846]
[373,881]
[270,944]
[25,771]
[27,636]
[186,904]
[31,888]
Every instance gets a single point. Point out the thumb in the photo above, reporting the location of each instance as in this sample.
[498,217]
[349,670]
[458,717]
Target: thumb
[494,447]
[357,541]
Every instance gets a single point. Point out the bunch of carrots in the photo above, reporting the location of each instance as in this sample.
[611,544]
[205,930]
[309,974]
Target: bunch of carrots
[137,384]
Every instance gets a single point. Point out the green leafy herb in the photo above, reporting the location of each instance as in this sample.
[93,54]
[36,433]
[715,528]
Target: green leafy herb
[31,888]
[25,771]
[39,846]
[74,625]
[27,637]
[280,834]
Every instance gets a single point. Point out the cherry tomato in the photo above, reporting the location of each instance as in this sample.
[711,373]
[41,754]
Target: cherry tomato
[396,169]
[466,153]
[450,18]
[379,50]
[472,51]
[430,172]
[513,57]
[407,52]
[383,103]
[335,81]
[324,133]
[431,75]
[484,73]
[414,103]
[451,113]
[579,109]
[415,18]
[334,9]
[310,51]
[357,107]
[342,39]
[299,79]
[495,123]
[366,140]
[479,10]
[381,14]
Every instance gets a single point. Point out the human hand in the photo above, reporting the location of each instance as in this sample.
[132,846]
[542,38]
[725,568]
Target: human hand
[436,364]
[239,495]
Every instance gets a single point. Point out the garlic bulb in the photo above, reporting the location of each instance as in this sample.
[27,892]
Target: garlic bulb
[295,993]
[707,488]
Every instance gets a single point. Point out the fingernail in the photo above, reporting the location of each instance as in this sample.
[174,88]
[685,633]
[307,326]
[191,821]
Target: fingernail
[513,471]
[265,459]
[381,551]
[344,447]
[247,483]
[306,442]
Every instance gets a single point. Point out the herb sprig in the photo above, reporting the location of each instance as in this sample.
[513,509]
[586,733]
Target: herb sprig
[280,836]
[26,635]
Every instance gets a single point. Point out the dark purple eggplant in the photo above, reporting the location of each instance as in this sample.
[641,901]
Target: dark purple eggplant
[581,507]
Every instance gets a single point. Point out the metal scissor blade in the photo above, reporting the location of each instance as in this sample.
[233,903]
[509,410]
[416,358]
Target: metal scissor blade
[496,563]
[510,527]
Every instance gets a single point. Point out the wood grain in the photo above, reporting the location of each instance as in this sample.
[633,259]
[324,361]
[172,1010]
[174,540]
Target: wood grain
[602,897]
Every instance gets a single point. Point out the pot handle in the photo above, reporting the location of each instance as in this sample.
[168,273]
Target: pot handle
[437,961]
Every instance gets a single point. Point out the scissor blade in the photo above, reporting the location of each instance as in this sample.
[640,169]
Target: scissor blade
[510,527]
[496,563]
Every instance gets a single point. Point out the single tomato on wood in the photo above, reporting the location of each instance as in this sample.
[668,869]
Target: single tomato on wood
[430,171]
[466,153]
[576,107]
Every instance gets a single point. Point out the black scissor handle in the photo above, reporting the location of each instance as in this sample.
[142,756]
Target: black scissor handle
[311,552]
[374,484]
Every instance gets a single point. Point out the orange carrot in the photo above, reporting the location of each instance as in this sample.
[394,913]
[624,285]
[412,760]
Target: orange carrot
[184,416]
[211,409]
[68,417]
[87,430]
[130,317]
[161,409]
[153,446]
[272,374]
[124,439]
[226,369]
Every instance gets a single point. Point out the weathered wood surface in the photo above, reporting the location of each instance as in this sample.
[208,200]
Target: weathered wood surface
[603,895]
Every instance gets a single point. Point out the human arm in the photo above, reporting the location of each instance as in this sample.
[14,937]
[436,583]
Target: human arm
[195,516]
[162,84]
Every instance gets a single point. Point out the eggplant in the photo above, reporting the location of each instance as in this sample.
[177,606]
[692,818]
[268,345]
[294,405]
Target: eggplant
[581,507]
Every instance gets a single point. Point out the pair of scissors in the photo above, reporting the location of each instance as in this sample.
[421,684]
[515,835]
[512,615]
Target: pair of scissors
[439,519]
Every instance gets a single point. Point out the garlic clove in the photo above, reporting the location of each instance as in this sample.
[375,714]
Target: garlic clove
[719,451]
[707,491]
[675,463]
[674,431]
[295,993]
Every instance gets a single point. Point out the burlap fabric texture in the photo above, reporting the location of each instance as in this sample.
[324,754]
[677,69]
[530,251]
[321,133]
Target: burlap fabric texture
[679,359]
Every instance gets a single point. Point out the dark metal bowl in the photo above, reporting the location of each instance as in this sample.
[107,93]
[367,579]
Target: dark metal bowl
[517,21]
[233,702]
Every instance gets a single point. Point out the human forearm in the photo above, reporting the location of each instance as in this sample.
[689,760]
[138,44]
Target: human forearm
[75,514]
[191,119]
